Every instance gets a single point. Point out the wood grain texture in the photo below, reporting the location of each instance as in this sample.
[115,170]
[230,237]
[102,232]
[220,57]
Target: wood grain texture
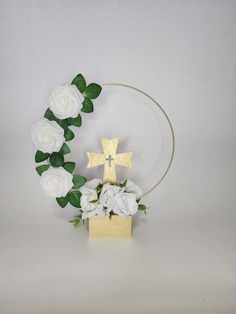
[115,227]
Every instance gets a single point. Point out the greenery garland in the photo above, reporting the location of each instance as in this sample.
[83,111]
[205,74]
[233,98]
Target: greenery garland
[56,159]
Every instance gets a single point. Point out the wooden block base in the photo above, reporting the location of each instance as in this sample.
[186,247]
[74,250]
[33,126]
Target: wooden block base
[117,226]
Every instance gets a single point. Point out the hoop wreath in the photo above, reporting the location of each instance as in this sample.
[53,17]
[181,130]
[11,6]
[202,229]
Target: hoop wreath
[50,136]
[169,123]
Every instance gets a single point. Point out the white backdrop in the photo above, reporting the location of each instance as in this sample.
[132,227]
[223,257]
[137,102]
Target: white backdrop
[181,258]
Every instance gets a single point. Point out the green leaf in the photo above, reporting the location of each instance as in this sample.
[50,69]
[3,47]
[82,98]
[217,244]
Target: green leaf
[56,159]
[75,121]
[99,189]
[40,156]
[93,90]
[78,181]
[63,123]
[69,135]
[142,207]
[123,183]
[75,221]
[62,201]
[74,198]
[69,166]
[87,105]
[42,168]
[93,201]
[65,149]
[50,116]
[79,82]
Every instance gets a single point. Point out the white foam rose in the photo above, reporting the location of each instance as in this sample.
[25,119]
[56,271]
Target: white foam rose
[47,136]
[131,187]
[65,101]
[124,204]
[88,201]
[96,211]
[92,184]
[107,196]
[56,182]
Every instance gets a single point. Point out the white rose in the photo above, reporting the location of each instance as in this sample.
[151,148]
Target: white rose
[47,136]
[107,196]
[89,204]
[87,198]
[65,101]
[131,187]
[56,182]
[92,184]
[125,204]
[97,210]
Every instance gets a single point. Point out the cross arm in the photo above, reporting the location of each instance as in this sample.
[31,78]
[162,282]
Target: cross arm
[124,159]
[95,159]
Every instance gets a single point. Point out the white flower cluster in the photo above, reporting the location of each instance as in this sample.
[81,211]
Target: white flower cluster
[117,199]
[65,102]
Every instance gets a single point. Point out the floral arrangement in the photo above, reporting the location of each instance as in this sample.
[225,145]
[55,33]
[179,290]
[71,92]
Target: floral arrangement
[109,199]
[57,176]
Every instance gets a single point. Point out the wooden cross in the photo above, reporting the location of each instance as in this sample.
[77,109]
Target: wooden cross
[109,159]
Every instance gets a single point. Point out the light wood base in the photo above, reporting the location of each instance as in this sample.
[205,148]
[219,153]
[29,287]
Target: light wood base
[117,226]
